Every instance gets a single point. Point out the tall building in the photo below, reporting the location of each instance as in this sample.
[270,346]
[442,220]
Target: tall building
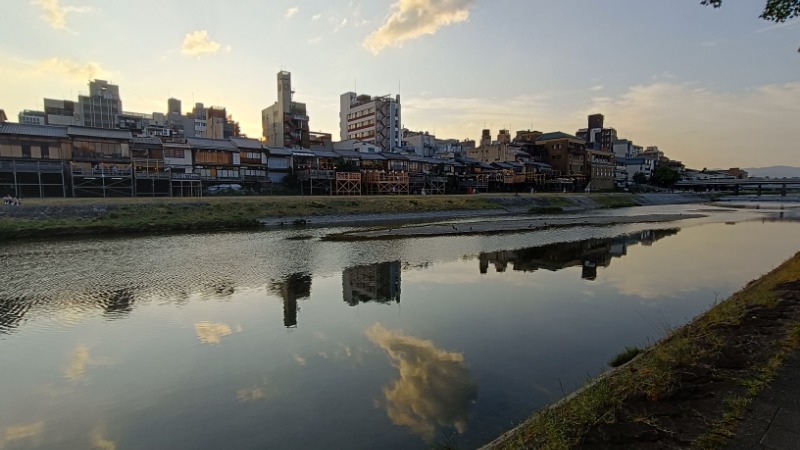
[374,120]
[174,106]
[285,123]
[99,109]
[596,135]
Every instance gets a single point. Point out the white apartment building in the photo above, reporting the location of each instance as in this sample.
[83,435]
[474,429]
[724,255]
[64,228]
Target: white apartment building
[371,119]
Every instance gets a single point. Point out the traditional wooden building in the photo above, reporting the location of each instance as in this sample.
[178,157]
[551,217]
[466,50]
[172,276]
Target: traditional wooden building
[253,160]
[216,161]
[279,164]
[34,160]
[101,162]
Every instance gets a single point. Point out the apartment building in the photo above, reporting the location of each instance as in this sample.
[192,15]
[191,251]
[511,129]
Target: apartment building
[285,123]
[371,119]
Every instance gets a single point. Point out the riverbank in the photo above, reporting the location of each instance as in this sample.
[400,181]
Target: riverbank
[689,390]
[73,216]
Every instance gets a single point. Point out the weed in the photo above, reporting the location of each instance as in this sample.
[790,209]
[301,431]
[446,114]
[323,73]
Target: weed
[624,356]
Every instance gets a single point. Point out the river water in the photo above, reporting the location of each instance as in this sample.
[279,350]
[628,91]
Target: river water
[278,340]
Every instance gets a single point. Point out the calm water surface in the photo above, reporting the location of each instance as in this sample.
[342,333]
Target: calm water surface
[253,340]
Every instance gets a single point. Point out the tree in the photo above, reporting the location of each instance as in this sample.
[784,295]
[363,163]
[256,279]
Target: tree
[665,176]
[775,10]
[639,178]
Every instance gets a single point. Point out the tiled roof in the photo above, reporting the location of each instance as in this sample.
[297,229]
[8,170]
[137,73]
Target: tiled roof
[371,156]
[555,135]
[149,141]
[52,131]
[277,151]
[324,153]
[103,133]
[211,144]
[251,144]
[348,153]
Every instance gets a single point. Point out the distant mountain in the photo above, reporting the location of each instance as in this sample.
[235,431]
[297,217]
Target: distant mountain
[774,171]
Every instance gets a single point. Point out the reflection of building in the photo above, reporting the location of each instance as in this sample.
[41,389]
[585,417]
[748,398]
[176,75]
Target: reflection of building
[588,254]
[117,303]
[296,286]
[373,283]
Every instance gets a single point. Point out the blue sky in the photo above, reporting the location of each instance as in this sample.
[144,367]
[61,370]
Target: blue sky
[713,88]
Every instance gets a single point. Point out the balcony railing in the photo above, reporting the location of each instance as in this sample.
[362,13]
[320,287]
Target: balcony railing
[31,166]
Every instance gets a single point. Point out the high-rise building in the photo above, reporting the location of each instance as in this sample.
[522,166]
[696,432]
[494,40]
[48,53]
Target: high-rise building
[285,123]
[174,106]
[374,120]
[596,135]
[596,121]
[99,109]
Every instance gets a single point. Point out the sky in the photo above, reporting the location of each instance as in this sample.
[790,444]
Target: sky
[710,87]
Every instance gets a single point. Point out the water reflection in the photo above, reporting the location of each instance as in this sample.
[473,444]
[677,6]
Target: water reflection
[12,311]
[30,434]
[117,303]
[296,286]
[372,283]
[435,388]
[589,254]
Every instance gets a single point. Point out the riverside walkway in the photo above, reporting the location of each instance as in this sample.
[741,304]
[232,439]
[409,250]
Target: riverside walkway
[773,420]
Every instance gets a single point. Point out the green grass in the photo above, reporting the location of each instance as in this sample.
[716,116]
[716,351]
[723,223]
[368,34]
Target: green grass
[131,215]
[615,200]
[624,356]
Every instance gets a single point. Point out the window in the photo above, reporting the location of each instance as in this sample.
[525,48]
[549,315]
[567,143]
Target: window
[45,152]
[26,151]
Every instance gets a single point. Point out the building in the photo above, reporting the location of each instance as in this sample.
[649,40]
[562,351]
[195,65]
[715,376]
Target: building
[600,169]
[421,143]
[3,117]
[596,135]
[33,160]
[174,106]
[371,119]
[100,108]
[285,123]
[61,112]
[563,152]
[28,117]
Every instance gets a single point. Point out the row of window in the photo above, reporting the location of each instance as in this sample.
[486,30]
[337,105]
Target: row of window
[359,114]
[363,123]
[362,135]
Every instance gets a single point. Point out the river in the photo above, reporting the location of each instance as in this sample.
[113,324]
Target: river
[278,340]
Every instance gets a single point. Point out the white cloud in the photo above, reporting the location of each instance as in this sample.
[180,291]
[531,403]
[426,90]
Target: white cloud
[315,40]
[595,88]
[341,25]
[198,43]
[316,17]
[56,15]
[414,18]
[64,67]
[292,11]
[709,128]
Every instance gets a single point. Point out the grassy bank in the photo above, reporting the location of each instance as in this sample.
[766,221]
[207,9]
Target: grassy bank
[688,390]
[55,217]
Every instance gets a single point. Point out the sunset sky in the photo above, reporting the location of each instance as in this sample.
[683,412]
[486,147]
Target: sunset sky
[713,88]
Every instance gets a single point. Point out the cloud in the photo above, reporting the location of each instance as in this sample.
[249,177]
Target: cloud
[212,333]
[411,19]
[434,388]
[299,360]
[198,43]
[705,127]
[64,67]
[595,88]
[315,40]
[341,25]
[316,17]
[56,15]
[99,442]
[251,394]
[292,11]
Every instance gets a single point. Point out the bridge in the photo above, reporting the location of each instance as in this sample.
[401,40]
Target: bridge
[736,184]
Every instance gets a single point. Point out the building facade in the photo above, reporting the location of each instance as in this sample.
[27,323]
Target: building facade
[285,123]
[100,108]
[371,119]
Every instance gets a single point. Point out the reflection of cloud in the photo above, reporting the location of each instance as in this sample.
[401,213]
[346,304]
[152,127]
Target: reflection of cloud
[414,18]
[300,360]
[212,333]
[31,432]
[198,43]
[434,388]
[251,394]
[99,442]
[76,369]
